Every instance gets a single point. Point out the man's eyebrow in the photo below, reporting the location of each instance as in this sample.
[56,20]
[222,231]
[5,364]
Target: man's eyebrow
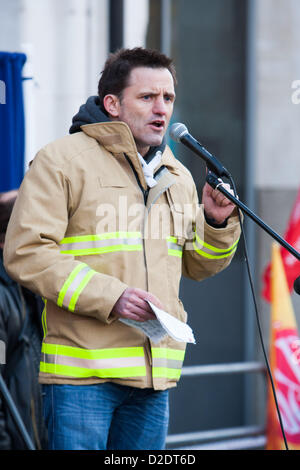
[171,94]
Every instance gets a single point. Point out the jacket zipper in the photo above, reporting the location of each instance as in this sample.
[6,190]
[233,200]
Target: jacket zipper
[145,196]
[147,346]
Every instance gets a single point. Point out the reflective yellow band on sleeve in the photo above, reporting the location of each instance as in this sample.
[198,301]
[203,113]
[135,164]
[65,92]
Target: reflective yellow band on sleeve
[211,252]
[44,318]
[74,285]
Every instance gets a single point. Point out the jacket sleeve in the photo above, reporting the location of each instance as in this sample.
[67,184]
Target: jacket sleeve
[209,250]
[31,253]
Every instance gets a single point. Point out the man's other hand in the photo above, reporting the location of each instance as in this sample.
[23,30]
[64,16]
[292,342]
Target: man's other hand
[216,206]
[132,304]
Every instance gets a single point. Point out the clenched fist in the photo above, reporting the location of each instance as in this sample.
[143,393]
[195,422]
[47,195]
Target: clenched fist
[216,205]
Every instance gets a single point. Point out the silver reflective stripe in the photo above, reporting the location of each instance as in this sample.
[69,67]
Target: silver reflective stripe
[174,249]
[75,284]
[108,363]
[174,246]
[204,249]
[94,244]
[71,361]
[163,362]
[211,252]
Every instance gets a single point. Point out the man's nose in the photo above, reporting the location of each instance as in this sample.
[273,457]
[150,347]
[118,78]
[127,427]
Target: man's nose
[159,106]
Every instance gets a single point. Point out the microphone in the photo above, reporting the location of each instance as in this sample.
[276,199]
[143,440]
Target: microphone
[179,133]
[297,285]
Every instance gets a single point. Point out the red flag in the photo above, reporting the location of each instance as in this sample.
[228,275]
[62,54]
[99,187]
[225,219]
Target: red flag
[284,362]
[290,263]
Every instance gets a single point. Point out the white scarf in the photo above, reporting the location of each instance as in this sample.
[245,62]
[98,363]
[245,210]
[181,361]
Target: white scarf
[148,168]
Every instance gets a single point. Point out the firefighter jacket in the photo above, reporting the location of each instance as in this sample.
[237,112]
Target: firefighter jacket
[85,227]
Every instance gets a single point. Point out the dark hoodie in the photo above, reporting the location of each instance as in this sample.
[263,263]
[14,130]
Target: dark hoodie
[90,113]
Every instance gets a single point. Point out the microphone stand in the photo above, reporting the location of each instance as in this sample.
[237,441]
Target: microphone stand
[217,183]
[15,414]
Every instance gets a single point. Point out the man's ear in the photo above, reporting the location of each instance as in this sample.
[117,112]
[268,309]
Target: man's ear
[111,104]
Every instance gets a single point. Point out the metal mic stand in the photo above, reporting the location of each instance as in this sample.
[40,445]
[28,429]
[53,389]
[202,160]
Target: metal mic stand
[15,414]
[217,183]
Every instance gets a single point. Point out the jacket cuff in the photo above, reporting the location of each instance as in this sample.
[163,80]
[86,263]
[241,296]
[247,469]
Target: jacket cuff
[118,290]
[213,223]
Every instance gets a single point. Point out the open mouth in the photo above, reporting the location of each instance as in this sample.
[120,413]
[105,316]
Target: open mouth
[157,124]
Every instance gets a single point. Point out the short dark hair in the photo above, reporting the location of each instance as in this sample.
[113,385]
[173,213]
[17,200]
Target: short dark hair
[117,69]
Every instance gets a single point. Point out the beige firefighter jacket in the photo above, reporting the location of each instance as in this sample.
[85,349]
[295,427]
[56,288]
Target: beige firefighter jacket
[81,233]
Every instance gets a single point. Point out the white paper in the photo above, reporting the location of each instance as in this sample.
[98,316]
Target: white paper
[165,324]
[151,328]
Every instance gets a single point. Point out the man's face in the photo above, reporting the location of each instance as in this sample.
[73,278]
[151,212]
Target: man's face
[147,105]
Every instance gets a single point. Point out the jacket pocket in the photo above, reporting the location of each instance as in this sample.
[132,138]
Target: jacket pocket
[112,204]
[176,240]
[181,213]
[112,181]
[176,199]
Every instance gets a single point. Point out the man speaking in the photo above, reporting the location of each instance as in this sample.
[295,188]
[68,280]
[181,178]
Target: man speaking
[106,383]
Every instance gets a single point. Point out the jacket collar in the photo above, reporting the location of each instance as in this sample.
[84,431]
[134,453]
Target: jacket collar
[116,137]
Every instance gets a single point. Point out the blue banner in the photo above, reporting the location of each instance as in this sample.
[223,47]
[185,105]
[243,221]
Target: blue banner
[12,121]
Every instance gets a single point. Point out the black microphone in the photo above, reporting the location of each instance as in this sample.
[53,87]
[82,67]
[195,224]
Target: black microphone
[297,285]
[179,133]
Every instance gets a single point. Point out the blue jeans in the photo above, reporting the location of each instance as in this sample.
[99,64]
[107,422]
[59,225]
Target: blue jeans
[105,416]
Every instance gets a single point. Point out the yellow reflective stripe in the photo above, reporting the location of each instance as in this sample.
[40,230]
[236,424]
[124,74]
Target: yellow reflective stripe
[99,364]
[173,248]
[44,318]
[97,251]
[68,282]
[207,255]
[103,243]
[212,252]
[78,362]
[177,253]
[72,351]
[74,285]
[102,236]
[167,362]
[165,372]
[172,239]
[79,289]
[168,353]
[213,248]
[71,371]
